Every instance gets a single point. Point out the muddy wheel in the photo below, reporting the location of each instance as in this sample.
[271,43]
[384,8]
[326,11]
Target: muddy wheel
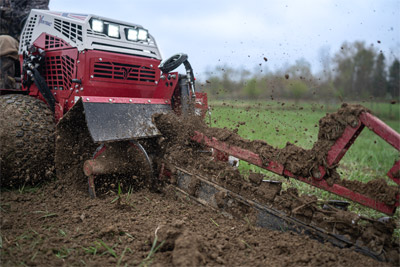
[26,140]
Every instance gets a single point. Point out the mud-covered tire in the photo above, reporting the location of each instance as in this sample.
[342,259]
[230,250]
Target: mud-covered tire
[26,141]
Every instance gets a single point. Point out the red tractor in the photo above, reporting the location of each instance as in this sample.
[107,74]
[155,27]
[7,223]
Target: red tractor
[101,81]
[90,76]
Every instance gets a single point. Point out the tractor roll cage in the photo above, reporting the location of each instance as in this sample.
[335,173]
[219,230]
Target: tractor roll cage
[76,30]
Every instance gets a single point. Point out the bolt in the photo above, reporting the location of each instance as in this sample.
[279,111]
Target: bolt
[76,91]
[149,101]
[87,99]
[55,88]
[162,77]
[354,123]
[83,52]
[110,100]
[79,61]
[151,65]
[130,100]
[70,89]
[55,93]
[91,76]
[81,88]
[316,174]
[156,82]
[166,101]
[100,59]
[72,101]
[76,86]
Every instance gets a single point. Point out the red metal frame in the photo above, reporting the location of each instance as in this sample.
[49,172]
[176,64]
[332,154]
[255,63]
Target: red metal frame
[49,42]
[100,76]
[343,143]
[335,154]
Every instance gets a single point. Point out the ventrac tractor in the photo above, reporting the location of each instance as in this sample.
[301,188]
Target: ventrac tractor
[87,108]
[101,81]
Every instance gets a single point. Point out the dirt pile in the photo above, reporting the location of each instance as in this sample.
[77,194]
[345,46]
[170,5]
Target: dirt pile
[73,146]
[50,227]
[365,232]
[184,244]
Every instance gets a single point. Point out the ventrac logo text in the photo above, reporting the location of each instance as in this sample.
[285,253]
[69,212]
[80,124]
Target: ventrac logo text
[126,72]
[42,21]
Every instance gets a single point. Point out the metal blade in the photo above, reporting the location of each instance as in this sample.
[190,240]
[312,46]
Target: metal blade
[117,121]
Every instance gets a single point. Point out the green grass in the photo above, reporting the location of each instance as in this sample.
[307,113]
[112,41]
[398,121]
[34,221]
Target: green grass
[368,158]
[154,247]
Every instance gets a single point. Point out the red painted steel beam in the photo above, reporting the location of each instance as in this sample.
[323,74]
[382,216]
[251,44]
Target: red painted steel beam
[278,168]
[387,134]
[349,194]
[394,173]
[381,129]
[343,143]
[238,152]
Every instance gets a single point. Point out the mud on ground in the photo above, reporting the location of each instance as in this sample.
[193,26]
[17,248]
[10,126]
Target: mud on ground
[57,226]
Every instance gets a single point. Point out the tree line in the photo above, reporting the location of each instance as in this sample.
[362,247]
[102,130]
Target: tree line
[355,72]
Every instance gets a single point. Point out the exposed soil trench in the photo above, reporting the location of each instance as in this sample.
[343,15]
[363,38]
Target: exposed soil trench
[58,226]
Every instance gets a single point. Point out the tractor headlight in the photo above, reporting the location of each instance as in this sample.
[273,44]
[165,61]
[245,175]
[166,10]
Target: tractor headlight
[113,30]
[142,35]
[132,34]
[97,25]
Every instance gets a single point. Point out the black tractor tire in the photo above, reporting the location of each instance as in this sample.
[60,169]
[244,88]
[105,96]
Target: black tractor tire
[26,141]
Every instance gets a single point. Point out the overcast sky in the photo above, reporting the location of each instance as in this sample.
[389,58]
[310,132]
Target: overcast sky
[241,33]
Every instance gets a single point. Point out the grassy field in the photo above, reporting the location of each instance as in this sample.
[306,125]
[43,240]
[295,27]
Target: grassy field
[280,122]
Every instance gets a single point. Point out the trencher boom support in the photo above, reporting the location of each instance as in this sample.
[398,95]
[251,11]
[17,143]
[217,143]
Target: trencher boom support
[335,154]
[102,81]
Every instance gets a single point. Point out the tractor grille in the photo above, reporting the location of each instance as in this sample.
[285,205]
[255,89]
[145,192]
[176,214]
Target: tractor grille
[59,72]
[52,43]
[26,37]
[121,72]
[70,30]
